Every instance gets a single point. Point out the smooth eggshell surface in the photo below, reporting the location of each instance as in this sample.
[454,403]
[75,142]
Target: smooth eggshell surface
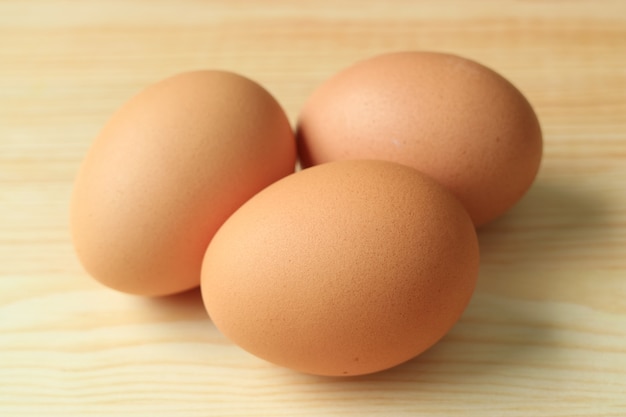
[345,268]
[167,170]
[449,117]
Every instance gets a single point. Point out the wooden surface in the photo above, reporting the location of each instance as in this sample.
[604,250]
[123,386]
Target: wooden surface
[545,334]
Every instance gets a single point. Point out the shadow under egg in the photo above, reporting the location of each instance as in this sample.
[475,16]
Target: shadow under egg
[186,305]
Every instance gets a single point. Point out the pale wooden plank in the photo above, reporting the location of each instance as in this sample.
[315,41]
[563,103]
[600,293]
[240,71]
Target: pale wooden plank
[545,334]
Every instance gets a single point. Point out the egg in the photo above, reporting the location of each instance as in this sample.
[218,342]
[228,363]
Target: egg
[452,118]
[167,170]
[345,268]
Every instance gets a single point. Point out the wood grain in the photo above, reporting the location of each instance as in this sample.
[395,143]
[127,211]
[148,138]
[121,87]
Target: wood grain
[545,334]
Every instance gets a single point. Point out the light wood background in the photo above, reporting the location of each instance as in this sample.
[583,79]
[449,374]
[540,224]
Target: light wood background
[545,334]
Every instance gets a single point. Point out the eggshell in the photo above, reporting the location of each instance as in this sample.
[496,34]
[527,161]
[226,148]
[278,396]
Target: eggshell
[166,171]
[452,118]
[345,268]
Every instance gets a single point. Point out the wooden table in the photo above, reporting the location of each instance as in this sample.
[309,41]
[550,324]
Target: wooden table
[545,334]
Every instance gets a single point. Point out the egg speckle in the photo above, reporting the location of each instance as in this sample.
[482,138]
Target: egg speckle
[345,268]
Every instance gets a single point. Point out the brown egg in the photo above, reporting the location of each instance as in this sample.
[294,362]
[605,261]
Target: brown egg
[451,118]
[345,268]
[166,171]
